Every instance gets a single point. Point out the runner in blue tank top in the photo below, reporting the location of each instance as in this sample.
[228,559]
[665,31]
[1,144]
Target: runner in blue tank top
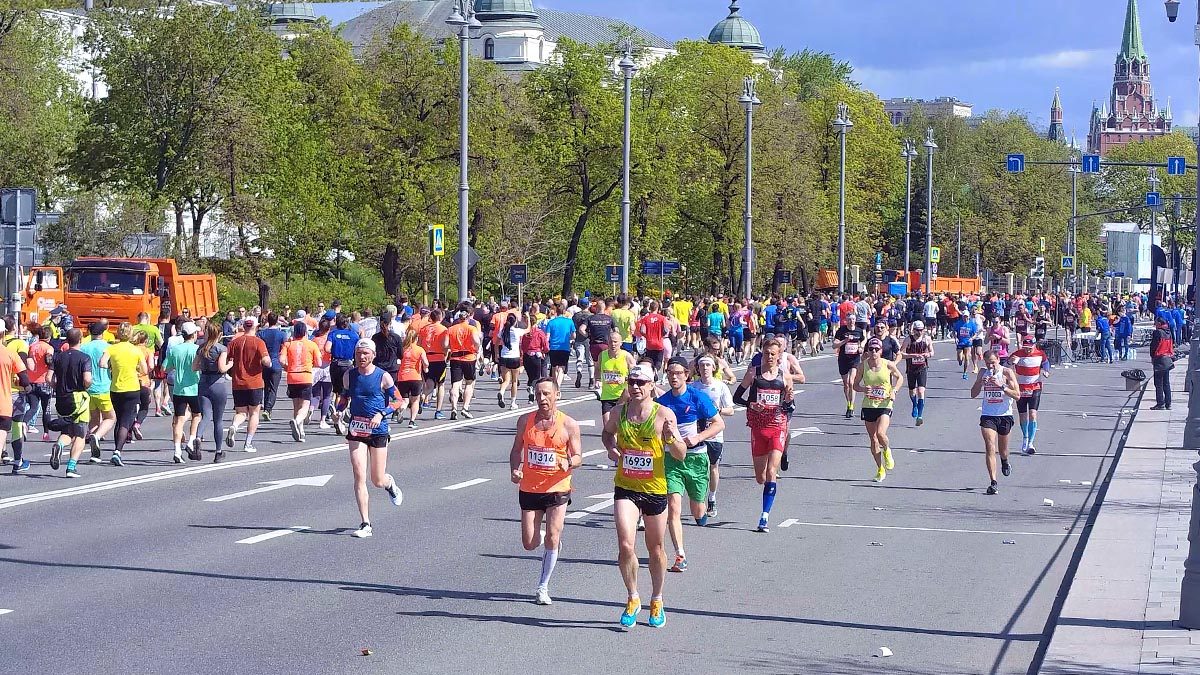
[370,394]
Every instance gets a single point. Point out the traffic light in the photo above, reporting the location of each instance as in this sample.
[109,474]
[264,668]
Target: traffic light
[1039,268]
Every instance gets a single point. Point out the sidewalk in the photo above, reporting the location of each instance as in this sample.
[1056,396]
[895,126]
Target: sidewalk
[1118,618]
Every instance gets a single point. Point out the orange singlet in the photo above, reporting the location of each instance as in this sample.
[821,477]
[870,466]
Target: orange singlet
[543,454]
[410,365]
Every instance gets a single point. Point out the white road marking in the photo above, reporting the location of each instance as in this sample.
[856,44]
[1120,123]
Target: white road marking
[586,423]
[466,483]
[272,535]
[806,430]
[21,500]
[5,611]
[945,359]
[837,380]
[937,529]
[789,522]
[589,453]
[584,512]
[268,486]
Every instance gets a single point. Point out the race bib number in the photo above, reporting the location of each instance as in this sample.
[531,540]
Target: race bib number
[993,395]
[361,427]
[611,377]
[769,398]
[876,393]
[637,464]
[850,348]
[964,333]
[917,360]
[1026,393]
[541,458]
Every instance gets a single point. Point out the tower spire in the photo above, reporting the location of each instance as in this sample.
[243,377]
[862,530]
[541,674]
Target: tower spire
[1131,39]
[1056,132]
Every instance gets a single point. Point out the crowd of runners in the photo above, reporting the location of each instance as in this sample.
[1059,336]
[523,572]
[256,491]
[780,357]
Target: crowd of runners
[663,371]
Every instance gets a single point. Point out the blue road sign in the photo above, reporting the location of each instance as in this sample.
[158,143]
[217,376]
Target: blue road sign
[878,259]
[660,267]
[783,277]
[1016,163]
[437,239]
[518,274]
[612,274]
[1154,199]
[1091,163]
[1176,166]
[1068,262]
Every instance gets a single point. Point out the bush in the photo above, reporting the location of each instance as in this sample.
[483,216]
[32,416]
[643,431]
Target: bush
[360,287]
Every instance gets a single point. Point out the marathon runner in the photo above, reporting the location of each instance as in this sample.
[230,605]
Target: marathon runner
[508,356]
[560,330]
[999,387]
[300,358]
[99,402]
[847,343]
[125,361]
[1030,364]
[965,330]
[71,377]
[918,350]
[545,450]
[410,375]
[248,356]
[462,342]
[14,382]
[770,398]
[435,351]
[878,380]
[721,397]
[998,338]
[535,344]
[612,368]
[370,395]
[689,476]
[636,439]
[653,329]
[185,393]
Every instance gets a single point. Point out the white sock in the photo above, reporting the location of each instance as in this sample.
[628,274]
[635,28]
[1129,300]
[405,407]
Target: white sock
[549,560]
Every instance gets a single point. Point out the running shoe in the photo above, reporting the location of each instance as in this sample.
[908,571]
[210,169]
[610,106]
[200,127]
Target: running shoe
[303,435]
[466,413]
[116,459]
[177,457]
[325,424]
[363,531]
[5,458]
[531,397]
[629,616]
[72,473]
[439,415]
[45,437]
[543,596]
[1031,450]
[658,616]
[219,457]
[94,444]
[920,421]
[454,413]
[964,376]
[412,424]
[1005,468]
[395,494]
[888,462]
[339,424]
[500,400]
[136,431]
[880,475]
[762,526]
[21,466]
[230,436]
[194,450]
[1024,445]
[783,462]
[249,448]
[680,564]
[849,413]
[513,405]
[265,416]
[712,508]
[55,456]
[294,427]
[702,521]
[992,488]
[32,430]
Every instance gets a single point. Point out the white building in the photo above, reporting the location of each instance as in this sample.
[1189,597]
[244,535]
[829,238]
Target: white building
[899,110]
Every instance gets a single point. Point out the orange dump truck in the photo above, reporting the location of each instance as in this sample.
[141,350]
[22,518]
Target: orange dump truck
[117,289]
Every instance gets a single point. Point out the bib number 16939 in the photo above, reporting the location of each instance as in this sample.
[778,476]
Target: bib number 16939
[637,465]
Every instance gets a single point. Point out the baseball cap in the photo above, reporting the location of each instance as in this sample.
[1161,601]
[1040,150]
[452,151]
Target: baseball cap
[250,322]
[365,345]
[1028,341]
[641,372]
[300,314]
[678,361]
[329,314]
[189,328]
[58,311]
[918,325]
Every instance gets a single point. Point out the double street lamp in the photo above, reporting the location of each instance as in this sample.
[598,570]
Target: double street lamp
[930,147]
[629,68]
[748,100]
[463,20]
[843,124]
[909,153]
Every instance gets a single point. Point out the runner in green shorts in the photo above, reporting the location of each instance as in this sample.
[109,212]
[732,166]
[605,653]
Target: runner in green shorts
[689,476]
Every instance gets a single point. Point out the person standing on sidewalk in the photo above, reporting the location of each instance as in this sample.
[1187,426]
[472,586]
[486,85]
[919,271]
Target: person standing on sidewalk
[1162,357]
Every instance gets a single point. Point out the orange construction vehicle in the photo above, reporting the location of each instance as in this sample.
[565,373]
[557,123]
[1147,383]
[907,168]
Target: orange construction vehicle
[117,289]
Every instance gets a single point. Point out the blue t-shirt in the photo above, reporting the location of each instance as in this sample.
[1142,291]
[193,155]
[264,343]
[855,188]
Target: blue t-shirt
[560,330]
[1102,325]
[274,339]
[964,330]
[1177,317]
[341,343]
[690,408]
[769,316]
[101,377]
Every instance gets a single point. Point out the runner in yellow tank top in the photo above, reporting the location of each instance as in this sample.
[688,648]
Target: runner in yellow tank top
[879,379]
[636,439]
[612,367]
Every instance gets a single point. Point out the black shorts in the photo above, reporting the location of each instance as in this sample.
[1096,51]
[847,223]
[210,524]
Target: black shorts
[299,391]
[185,404]
[1031,402]
[72,415]
[372,441]
[540,501]
[814,326]
[462,370]
[559,358]
[873,414]
[605,406]
[337,374]
[246,398]
[918,377]
[846,365]
[510,364]
[714,452]
[6,423]
[1001,424]
[648,505]
[436,373]
[655,356]
[978,344]
[410,388]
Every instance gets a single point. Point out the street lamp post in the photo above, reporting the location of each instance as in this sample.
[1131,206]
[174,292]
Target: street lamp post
[629,68]
[930,147]
[748,101]
[843,124]
[908,153]
[463,20]
[1074,171]
[1189,601]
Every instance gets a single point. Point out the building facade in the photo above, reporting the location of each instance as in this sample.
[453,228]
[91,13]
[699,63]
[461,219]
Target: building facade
[1131,112]
[899,110]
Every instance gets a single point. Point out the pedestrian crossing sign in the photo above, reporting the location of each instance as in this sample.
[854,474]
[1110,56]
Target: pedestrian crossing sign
[935,255]
[437,239]
[1068,262]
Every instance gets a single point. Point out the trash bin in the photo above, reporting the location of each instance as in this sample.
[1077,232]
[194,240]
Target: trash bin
[1134,378]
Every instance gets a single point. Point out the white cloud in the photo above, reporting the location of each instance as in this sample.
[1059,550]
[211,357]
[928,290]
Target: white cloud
[1066,59]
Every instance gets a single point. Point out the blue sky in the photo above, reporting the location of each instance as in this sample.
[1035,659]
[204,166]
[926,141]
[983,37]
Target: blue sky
[1006,54]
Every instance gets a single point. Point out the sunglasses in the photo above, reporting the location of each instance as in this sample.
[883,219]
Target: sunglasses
[637,383]
[874,349]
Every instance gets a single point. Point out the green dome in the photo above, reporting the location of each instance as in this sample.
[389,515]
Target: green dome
[504,9]
[283,12]
[736,31]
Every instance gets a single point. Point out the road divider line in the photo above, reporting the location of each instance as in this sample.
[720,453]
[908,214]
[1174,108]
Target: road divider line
[268,486]
[935,529]
[466,483]
[584,512]
[5,611]
[789,522]
[589,453]
[272,534]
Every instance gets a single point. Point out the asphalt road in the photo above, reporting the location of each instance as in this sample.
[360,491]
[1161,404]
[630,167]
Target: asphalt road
[131,570]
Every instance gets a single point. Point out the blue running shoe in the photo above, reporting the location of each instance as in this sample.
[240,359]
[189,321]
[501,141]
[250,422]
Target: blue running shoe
[762,525]
[116,459]
[21,466]
[632,607]
[658,615]
[438,415]
[703,520]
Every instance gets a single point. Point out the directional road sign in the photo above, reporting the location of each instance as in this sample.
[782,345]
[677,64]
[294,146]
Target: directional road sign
[783,277]
[437,239]
[518,274]
[612,274]
[935,255]
[1154,200]
[1042,244]
[1176,166]
[1016,163]
[1091,163]
[18,206]
[879,260]
[1068,262]
[660,267]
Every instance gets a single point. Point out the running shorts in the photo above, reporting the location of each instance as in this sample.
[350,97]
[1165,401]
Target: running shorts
[510,364]
[977,343]
[1001,424]
[247,398]
[873,414]
[688,477]
[409,388]
[559,358]
[714,452]
[436,373]
[917,377]
[100,402]
[766,440]
[814,326]
[540,501]
[597,349]
[846,365]
[648,504]
[185,404]
[605,406]
[1031,402]
[462,370]
[656,358]
[372,441]
[299,391]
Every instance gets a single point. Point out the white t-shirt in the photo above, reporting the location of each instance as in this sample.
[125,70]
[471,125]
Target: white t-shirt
[399,328]
[718,391]
[931,309]
[513,352]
